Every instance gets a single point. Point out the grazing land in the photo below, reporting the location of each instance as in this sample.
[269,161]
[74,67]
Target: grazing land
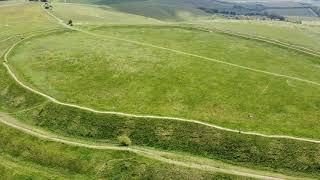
[153,81]
[297,34]
[223,104]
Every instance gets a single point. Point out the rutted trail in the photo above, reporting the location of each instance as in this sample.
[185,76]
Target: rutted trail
[152,154]
[133,115]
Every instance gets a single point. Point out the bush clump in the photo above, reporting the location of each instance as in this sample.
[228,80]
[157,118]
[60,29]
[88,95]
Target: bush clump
[124,140]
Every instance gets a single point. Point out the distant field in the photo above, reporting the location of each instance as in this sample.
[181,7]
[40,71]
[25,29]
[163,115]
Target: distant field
[83,15]
[13,20]
[161,10]
[148,80]
[293,12]
[301,35]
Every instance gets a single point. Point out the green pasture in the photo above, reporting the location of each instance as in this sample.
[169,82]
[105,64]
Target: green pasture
[140,69]
[305,35]
[26,157]
[167,10]
[292,12]
[84,15]
[270,154]
[127,77]
[21,19]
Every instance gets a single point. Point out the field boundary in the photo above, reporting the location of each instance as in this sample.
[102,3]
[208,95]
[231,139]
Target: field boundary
[52,99]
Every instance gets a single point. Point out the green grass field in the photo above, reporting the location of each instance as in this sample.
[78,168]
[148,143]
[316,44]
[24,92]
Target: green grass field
[152,81]
[26,157]
[304,12]
[178,10]
[89,15]
[306,35]
[140,65]
[18,20]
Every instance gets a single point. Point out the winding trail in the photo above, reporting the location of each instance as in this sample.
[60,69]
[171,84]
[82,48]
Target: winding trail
[149,153]
[52,99]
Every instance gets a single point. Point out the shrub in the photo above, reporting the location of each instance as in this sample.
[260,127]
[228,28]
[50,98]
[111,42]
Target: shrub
[124,140]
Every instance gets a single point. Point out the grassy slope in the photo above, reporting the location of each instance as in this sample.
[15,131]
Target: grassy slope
[302,35]
[34,158]
[13,20]
[292,12]
[172,135]
[298,34]
[250,151]
[157,82]
[163,10]
[303,156]
[82,14]
[24,157]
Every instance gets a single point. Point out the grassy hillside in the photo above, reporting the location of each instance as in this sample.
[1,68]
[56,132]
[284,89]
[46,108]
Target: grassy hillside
[155,81]
[301,35]
[188,9]
[237,148]
[269,154]
[305,12]
[119,75]
[23,156]
[163,10]
[83,15]
[22,19]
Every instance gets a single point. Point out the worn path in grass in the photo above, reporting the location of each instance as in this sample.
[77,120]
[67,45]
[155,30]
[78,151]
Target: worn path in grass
[152,154]
[133,115]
